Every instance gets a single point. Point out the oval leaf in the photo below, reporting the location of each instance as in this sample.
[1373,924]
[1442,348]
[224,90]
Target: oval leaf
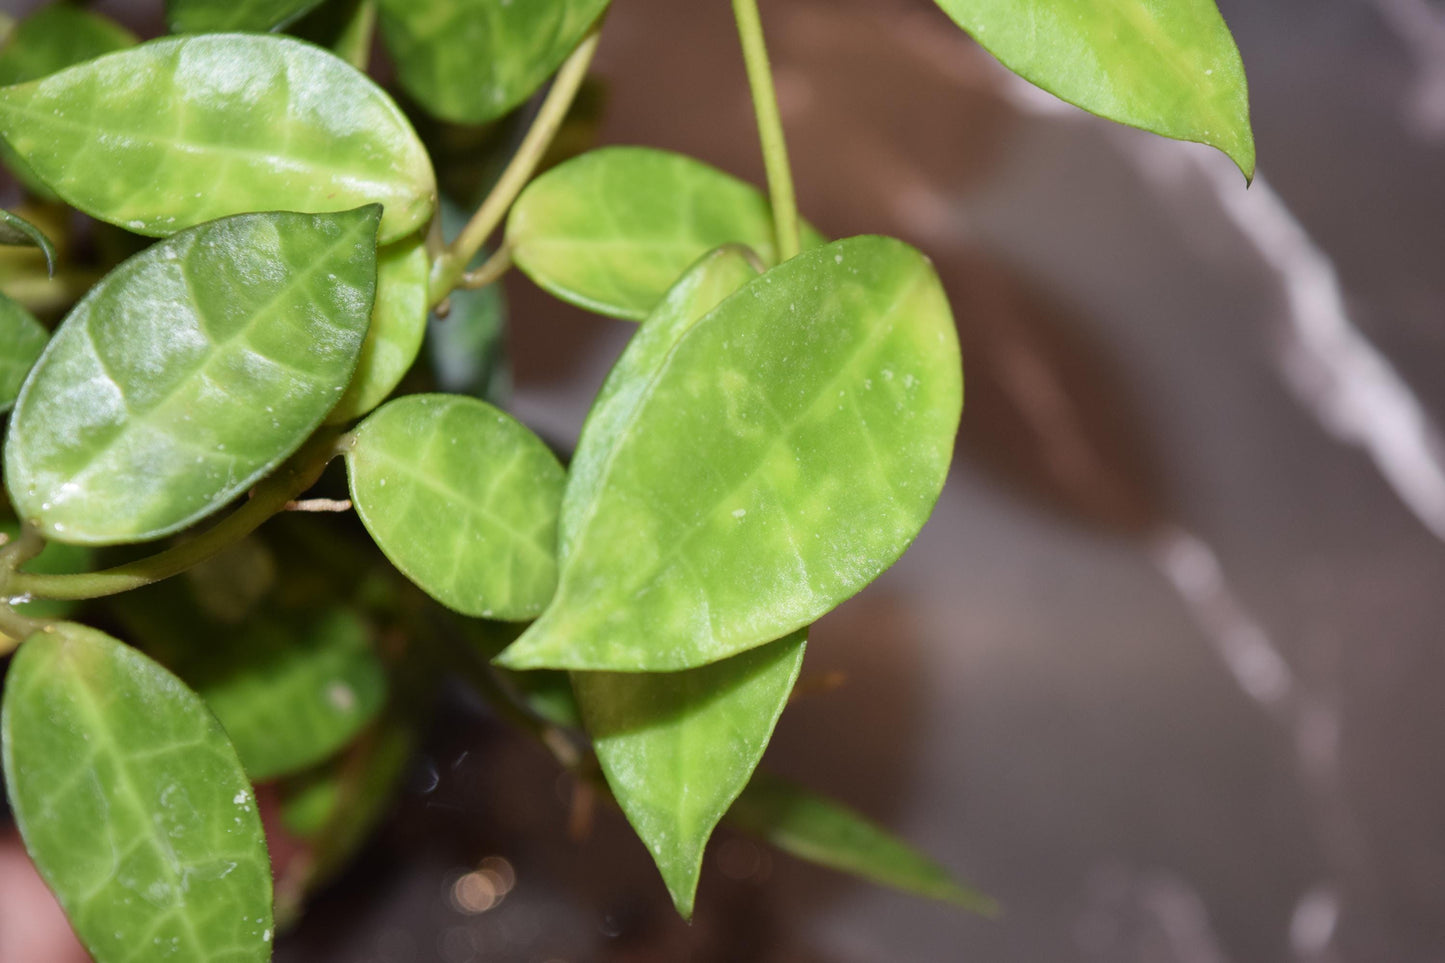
[22,339]
[611,230]
[221,16]
[186,129]
[678,747]
[789,450]
[463,499]
[398,323]
[824,832]
[471,61]
[133,804]
[16,231]
[190,372]
[1171,68]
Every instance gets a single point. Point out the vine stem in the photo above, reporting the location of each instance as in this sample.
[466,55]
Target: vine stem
[269,498]
[770,127]
[451,265]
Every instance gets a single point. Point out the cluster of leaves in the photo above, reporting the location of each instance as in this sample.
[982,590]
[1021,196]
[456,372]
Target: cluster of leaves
[249,241]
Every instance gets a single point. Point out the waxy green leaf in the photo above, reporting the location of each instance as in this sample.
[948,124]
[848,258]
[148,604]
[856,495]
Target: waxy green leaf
[182,130]
[1171,68]
[786,453]
[133,804]
[22,338]
[471,61]
[190,372]
[398,323]
[611,230]
[16,231]
[821,831]
[463,499]
[223,16]
[678,747]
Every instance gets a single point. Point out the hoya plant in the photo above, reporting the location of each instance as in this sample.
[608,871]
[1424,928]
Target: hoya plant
[263,498]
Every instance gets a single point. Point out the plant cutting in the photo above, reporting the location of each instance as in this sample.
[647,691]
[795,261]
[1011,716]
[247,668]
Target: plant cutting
[262,506]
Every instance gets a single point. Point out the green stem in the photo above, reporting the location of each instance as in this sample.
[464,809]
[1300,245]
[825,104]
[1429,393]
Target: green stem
[770,127]
[452,264]
[354,44]
[491,270]
[299,473]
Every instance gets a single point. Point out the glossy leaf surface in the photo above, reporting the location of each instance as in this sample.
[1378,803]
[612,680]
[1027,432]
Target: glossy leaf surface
[186,129]
[22,338]
[223,16]
[1171,68]
[190,372]
[16,231]
[824,832]
[678,747]
[786,453]
[472,61]
[133,804]
[611,230]
[398,323]
[463,499]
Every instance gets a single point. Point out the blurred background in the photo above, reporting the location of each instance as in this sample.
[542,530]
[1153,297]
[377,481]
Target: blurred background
[1163,672]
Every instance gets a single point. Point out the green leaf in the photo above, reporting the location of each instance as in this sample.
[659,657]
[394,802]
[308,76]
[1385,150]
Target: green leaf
[1171,68]
[189,372]
[463,499]
[398,323]
[182,130]
[16,231]
[133,804]
[611,230]
[471,61]
[824,832]
[788,450]
[678,747]
[22,338]
[222,16]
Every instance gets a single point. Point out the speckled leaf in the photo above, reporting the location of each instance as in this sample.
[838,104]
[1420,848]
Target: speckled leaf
[22,338]
[398,323]
[471,61]
[611,230]
[190,372]
[16,231]
[186,129]
[678,747]
[222,16]
[1171,68]
[463,500]
[56,36]
[788,451]
[821,831]
[133,804]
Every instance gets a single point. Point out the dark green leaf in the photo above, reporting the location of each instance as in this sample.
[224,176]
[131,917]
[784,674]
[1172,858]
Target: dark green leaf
[463,500]
[678,747]
[16,231]
[1171,68]
[190,372]
[133,804]
[182,130]
[824,832]
[789,449]
[610,231]
[473,60]
[223,16]
[22,338]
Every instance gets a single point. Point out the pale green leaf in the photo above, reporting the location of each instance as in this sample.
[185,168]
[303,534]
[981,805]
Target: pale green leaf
[22,338]
[678,747]
[824,832]
[16,231]
[787,452]
[1168,67]
[611,230]
[182,130]
[133,804]
[471,61]
[190,372]
[463,499]
[223,16]
[398,323]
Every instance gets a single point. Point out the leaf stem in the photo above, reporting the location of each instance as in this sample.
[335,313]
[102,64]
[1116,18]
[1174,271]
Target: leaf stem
[770,127]
[491,270]
[270,497]
[354,44]
[452,264]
